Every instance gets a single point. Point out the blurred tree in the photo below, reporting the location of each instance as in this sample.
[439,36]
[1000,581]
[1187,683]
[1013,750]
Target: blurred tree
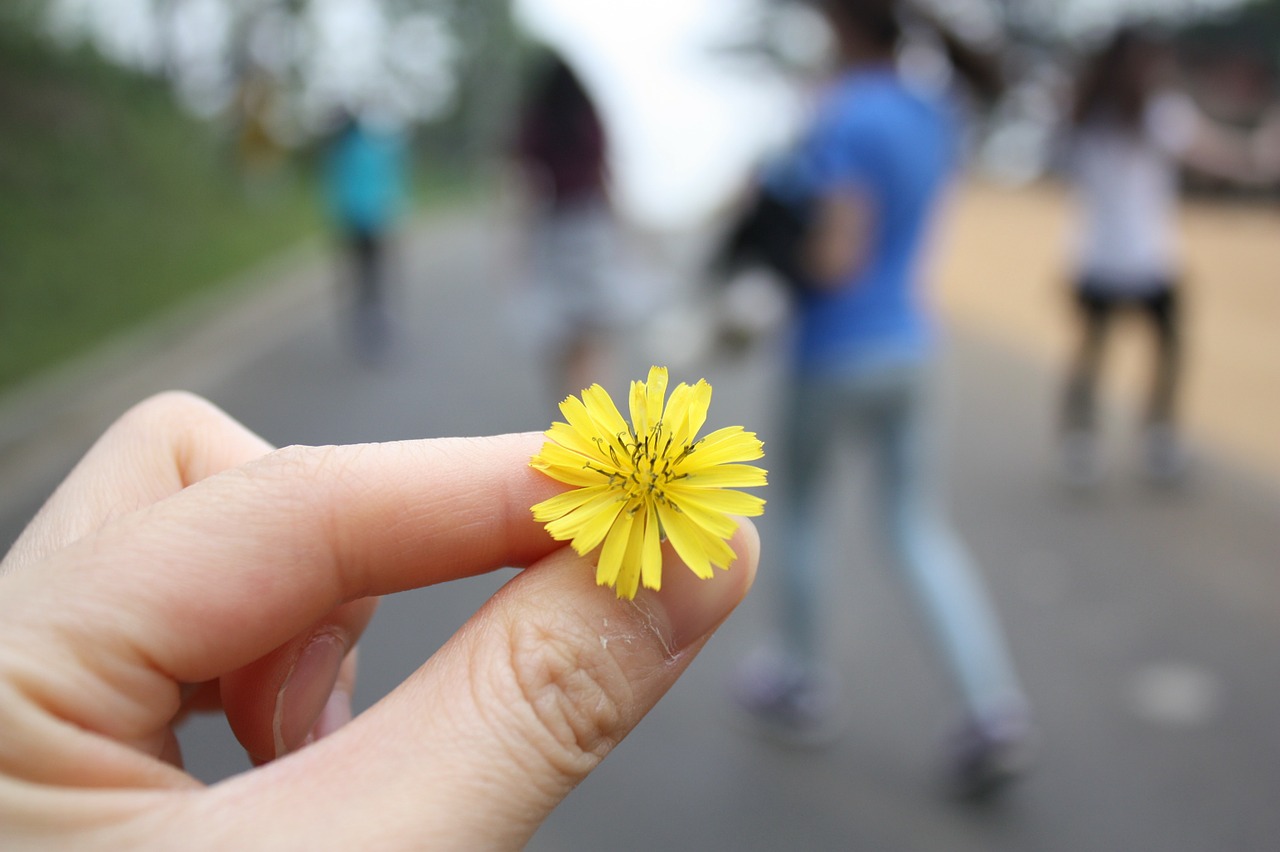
[418,60]
[1254,27]
[488,81]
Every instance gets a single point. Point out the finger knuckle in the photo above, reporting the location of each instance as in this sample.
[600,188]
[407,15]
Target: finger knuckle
[317,464]
[325,482]
[164,410]
[574,690]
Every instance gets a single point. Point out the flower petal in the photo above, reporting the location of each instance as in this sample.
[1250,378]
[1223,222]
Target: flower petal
[567,466]
[720,500]
[676,417]
[597,526]
[725,476]
[716,549]
[562,504]
[712,520]
[586,526]
[583,420]
[683,535]
[655,394]
[698,403]
[651,555]
[639,404]
[613,554]
[628,581]
[571,438]
[604,414]
[731,444]
[577,417]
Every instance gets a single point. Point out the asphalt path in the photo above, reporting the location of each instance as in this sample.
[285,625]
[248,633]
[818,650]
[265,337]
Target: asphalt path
[1145,624]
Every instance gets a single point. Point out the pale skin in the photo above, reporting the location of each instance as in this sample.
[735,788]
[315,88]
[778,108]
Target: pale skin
[1217,149]
[186,565]
[1249,159]
[837,249]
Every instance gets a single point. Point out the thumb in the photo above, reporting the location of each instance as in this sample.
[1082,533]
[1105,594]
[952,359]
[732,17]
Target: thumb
[480,744]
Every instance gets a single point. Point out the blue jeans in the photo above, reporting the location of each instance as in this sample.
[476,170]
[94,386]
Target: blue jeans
[887,406]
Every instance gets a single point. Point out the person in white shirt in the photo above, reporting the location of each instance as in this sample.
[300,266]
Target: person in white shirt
[1131,135]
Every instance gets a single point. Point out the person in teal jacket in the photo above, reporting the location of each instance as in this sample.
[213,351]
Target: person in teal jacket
[365,180]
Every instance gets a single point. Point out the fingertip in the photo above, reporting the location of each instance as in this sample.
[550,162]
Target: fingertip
[693,608]
[275,704]
[522,704]
[336,713]
[746,543]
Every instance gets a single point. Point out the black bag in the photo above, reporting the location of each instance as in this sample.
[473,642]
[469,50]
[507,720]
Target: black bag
[771,232]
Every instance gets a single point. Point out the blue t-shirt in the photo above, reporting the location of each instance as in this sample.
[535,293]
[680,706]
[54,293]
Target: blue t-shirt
[895,148]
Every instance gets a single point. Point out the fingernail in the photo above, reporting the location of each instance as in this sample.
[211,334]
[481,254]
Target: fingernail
[692,607]
[336,713]
[306,691]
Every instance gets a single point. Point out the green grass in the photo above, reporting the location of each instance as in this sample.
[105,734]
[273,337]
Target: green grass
[114,205]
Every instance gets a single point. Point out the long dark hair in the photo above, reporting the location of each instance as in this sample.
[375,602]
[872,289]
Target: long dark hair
[560,133]
[1113,86]
[560,97]
[881,23]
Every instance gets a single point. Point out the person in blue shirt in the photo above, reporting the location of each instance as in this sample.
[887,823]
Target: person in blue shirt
[871,171]
[365,182]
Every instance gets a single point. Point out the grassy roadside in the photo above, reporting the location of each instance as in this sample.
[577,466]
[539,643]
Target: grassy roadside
[115,206]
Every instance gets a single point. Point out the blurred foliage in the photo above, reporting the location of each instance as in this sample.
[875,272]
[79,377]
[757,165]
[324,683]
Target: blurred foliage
[1037,20]
[1253,29]
[113,205]
[495,55]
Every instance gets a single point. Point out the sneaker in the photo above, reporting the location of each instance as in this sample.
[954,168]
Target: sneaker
[790,702]
[1164,455]
[989,755]
[1080,466]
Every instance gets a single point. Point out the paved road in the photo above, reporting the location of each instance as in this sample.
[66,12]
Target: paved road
[1145,625]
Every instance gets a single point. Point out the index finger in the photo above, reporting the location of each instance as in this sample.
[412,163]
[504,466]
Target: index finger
[209,579]
[159,447]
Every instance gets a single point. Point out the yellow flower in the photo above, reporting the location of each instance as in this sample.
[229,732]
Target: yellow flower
[640,482]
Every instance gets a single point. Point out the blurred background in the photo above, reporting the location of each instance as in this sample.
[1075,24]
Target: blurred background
[332,218]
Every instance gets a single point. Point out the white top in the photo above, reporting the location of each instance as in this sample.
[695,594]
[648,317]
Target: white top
[1128,187]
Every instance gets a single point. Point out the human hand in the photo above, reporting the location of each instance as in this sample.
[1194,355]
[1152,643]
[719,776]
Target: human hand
[184,565]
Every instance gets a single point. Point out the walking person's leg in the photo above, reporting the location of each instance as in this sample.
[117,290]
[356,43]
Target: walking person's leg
[1079,422]
[372,323]
[1165,459]
[948,588]
[790,689]
[805,455]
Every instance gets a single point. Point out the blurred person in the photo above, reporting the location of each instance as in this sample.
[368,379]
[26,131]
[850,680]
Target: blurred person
[561,155]
[365,176]
[872,169]
[260,154]
[1131,132]
[184,565]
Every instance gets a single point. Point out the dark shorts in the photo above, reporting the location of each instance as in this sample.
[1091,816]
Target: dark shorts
[1097,302]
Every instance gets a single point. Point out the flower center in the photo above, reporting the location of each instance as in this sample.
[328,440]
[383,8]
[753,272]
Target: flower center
[652,465]
[644,473]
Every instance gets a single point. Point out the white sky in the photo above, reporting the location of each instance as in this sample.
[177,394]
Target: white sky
[684,126]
